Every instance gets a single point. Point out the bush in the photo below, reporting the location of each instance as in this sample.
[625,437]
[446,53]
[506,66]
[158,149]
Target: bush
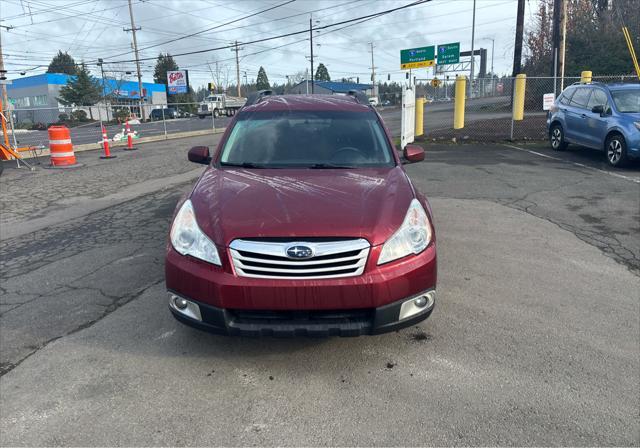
[63,118]
[39,127]
[121,114]
[79,115]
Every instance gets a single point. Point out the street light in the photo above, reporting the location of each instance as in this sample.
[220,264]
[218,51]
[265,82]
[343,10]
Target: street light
[493,42]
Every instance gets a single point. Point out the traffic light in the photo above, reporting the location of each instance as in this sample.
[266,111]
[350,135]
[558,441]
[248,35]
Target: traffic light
[358,80]
[389,77]
[212,87]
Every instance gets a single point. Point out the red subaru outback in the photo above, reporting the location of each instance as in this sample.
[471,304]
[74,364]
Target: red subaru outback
[303,223]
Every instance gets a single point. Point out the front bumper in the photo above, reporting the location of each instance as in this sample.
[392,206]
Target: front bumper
[295,323]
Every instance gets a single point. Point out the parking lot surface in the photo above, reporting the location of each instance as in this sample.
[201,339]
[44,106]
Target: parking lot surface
[533,341]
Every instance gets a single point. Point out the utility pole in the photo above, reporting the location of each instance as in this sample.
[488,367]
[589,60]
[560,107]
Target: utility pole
[311,45]
[5,98]
[373,73]
[133,30]
[563,41]
[517,52]
[555,39]
[237,49]
[473,58]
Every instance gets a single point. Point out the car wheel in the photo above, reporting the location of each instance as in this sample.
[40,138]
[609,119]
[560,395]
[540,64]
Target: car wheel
[556,138]
[616,150]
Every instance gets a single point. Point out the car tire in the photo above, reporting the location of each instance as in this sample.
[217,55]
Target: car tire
[201,117]
[556,138]
[616,150]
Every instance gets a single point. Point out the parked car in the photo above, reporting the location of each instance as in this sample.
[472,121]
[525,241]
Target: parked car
[599,116]
[374,101]
[386,103]
[168,114]
[303,223]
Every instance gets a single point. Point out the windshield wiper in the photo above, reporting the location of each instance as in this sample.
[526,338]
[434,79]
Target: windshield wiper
[323,166]
[244,165]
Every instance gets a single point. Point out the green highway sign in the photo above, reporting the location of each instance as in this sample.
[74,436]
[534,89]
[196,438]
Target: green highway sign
[417,57]
[449,53]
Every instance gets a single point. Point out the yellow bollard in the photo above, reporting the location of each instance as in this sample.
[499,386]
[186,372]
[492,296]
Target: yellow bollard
[419,116]
[458,112]
[585,77]
[518,97]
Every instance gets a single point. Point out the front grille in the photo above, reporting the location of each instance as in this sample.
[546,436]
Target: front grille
[268,259]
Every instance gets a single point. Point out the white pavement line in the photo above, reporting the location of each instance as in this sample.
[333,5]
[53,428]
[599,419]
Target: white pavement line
[80,209]
[581,165]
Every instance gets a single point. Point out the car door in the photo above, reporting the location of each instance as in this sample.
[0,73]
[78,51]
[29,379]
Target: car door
[576,115]
[596,124]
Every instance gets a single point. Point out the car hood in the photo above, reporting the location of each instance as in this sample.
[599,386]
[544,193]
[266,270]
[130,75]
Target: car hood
[239,203]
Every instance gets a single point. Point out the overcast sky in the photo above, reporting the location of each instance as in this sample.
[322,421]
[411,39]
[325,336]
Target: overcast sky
[94,29]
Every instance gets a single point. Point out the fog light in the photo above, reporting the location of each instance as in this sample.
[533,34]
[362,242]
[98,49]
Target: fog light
[180,303]
[420,302]
[417,305]
[185,307]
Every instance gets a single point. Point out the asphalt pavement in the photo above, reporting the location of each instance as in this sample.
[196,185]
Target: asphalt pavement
[92,133]
[534,339]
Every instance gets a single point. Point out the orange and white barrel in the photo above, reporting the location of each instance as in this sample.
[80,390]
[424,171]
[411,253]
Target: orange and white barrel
[60,146]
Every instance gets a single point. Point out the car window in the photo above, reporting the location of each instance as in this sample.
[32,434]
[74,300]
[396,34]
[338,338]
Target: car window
[566,96]
[627,101]
[580,98]
[307,139]
[598,98]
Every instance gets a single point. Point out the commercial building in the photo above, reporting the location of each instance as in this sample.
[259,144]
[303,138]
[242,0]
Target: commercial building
[35,98]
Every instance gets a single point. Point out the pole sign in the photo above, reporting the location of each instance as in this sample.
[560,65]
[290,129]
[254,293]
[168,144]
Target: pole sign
[417,57]
[177,82]
[547,101]
[449,53]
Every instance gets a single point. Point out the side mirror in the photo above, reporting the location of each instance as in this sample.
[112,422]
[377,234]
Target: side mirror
[199,154]
[598,109]
[413,153]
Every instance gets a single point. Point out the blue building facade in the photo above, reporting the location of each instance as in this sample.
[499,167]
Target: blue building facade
[36,97]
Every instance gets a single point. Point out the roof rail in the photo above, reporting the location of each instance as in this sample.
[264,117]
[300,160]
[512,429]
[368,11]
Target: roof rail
[255,97]
[359,96]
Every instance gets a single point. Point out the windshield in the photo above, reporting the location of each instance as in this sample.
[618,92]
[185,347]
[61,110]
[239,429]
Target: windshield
[307,139]
[627,101]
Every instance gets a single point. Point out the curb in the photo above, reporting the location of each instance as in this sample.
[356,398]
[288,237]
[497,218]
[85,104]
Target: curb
[123,143]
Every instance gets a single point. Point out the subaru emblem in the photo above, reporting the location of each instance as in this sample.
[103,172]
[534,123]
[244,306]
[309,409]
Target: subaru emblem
[299,252]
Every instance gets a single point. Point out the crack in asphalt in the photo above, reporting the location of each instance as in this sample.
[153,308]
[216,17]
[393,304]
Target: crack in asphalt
[9,366]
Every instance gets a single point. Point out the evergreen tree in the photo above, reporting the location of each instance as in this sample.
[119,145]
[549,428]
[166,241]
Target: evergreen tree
[262,82]
[164,64]
[83,90]
[322,74]
[62,63]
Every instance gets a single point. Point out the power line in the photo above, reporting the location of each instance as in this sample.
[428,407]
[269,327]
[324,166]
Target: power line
[209,29]
[294,33]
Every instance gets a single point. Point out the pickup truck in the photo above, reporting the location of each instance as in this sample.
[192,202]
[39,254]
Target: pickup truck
[220,104]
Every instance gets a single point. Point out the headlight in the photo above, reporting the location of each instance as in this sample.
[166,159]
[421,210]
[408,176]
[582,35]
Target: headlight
[188,239]
[637,123]
[412,237]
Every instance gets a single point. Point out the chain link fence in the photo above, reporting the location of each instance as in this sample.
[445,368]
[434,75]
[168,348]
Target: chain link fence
[488,110]
[85,123]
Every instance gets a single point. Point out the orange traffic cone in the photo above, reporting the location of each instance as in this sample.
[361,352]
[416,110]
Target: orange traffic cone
[105,145]
[130,146]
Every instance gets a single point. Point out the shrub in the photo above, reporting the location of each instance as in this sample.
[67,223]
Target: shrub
[63,118]
[79,115]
